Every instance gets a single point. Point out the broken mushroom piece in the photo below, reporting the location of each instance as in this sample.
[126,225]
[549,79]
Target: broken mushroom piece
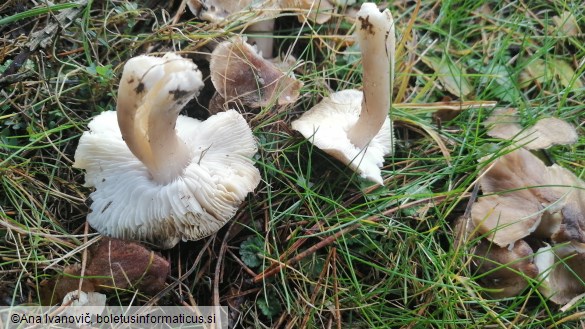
[160,177]
[240,74]
[354,126]
[504,272]
[562,271]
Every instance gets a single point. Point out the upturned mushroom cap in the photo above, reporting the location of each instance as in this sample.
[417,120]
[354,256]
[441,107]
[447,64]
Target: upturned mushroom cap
[504,272]
[354,126]
[562,271]
[240,74]
[326,126]
[160,177]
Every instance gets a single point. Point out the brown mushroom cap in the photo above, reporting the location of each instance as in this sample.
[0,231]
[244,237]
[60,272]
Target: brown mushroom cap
[505,271]
[531,197]
[514,213]
[240,74]
[504,123]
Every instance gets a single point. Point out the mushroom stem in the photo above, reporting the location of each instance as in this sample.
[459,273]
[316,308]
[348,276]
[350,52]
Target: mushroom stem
[261,35]
[151,95]
[376,37]
[168,154]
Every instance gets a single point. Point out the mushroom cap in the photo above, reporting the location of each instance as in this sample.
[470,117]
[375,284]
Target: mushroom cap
[218,11]
[327,124]
[514,212]
[315,11]
[504,123]
[529,197]
[239,73]
[128,204]
[506,270]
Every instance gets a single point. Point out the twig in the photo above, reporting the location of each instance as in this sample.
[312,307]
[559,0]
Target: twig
[336,289]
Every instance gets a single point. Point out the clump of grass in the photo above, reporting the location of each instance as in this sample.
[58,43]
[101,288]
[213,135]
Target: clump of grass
[329,249]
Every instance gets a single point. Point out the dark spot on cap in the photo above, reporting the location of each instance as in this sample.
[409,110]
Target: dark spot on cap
[366,25]
[178,93]
[131,80]
[140,88]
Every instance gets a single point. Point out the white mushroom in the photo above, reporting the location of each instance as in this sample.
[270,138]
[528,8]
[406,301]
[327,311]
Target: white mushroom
[160,177]
[352,126]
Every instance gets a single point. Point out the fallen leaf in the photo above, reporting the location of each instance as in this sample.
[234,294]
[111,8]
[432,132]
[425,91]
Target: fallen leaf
[566,75]
[540,71]
[451,75]
[567,24]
